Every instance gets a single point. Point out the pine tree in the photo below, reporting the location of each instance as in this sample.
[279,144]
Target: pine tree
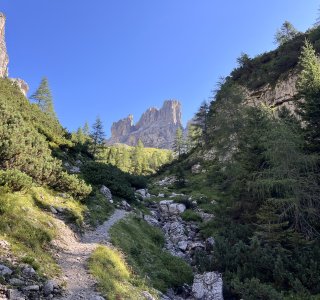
[308,85]
[200,123]
[43,97]
[86,129]
[285,33]
[178,145]
[137,158]
[97,135]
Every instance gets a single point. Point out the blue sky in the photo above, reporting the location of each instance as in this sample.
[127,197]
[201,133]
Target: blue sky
[115,57]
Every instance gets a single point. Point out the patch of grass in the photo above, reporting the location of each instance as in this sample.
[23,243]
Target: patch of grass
[99,208]
[143,247]
[115,279]
[28,229]
[73,210]
[191,216]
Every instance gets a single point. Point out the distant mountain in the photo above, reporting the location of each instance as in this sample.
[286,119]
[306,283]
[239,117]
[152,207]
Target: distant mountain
[156,127]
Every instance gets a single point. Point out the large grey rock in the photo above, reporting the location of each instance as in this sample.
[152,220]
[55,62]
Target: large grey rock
[176,208]
[156,127]
[107,193]
[4,270]
[143,193]
[207,286]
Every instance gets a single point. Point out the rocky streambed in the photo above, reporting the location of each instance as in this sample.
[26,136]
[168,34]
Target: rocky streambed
[183,239]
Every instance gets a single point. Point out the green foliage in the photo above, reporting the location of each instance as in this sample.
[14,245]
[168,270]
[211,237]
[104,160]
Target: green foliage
[286,33]
[43,98]
[121,184]
[25,227]
[73,185]
[15,180]
[115,279]
[308,85]
[179,143]
[32,115]
[97,135]
[271,66]
[143,247]
[100,209]
[137,160]
[253,289]
[23,148]
[190,215]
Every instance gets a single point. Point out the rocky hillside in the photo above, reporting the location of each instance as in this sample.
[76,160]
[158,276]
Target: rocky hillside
[156,127]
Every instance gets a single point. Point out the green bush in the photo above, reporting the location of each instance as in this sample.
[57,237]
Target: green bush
[15,180]
[120,183]
[253,289]
[73,185]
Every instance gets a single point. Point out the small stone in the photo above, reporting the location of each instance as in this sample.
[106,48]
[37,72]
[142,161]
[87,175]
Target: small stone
[53,210]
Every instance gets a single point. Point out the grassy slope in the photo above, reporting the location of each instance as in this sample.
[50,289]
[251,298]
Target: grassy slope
[143,247]
[29,228]
[115,278]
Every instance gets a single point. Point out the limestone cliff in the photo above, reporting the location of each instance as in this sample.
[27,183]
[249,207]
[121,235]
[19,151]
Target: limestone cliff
[156,127]
[4,58]
[280,94]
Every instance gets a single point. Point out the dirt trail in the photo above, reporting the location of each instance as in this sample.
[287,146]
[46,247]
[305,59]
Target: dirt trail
[73,255]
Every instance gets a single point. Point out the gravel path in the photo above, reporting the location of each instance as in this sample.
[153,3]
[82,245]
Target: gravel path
[73,254]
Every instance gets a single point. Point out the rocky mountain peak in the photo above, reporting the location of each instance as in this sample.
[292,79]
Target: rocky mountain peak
[4,58]
[156,127]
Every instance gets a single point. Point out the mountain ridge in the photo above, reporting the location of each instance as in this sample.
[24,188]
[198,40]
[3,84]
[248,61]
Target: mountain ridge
[156,127]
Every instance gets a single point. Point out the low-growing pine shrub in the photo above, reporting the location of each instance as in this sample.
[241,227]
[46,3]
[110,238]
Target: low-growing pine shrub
[15,180]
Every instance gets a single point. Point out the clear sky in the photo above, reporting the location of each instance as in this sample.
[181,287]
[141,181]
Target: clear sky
[116,57]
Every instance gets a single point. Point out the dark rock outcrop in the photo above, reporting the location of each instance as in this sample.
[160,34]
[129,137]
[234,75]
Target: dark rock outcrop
[156,127]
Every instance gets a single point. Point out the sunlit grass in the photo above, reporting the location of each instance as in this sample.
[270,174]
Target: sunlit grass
[115,279]
[143,247]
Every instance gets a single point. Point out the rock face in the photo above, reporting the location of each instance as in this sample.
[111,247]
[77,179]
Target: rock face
[4,58]
[282,94]
[156,127]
